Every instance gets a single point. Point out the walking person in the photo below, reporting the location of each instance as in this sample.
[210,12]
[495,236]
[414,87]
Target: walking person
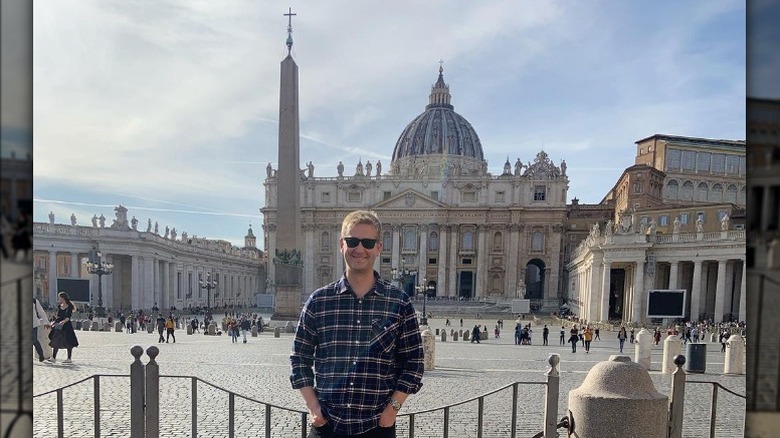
[622,337]
[170,327]
[545,334]
[39,319]
[62,334]
[245,327]
[587,334]
[475,334]
[518,334]
[563,336]
[596,332]
[573,338]
[194,324]
[358,340]
[633,338]
[160,327]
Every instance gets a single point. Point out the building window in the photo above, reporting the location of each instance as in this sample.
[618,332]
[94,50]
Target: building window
[732,164]
[432,261]
[433,241]
[686,194]
[718,163]
[410,240]
[731,194]
[469,196]
[700,216]
[435,195]
[387,241]
[644,221]
[721,214]
[325,197]
[498,241]
[386,195]
[540,193]
[716,194]
[387,260]
[663,220]
[702,192]
[672,190]
[537,241]
[672,159]
[466,261]
[688,160]
[683,218]
[325,241]
[638,187]
[500,197]
[467,243]
[354,196]
[703,161]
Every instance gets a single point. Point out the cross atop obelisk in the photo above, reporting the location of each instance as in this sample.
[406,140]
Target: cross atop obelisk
[289,16]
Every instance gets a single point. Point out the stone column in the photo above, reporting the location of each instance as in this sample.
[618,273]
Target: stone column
[74,265]
[511,270]
[548,282]
[310,245]
[165,301]
[482,262]
[720,292]
[673,273]
[52,271]
[443,289]
[156,295]
[271,266]
[147,293]
[396,258]
[605,278]
[743,293]
[422,261]
[639,293]
[453,264]
[108,283]
[696,291]
[135,282]
[596,284]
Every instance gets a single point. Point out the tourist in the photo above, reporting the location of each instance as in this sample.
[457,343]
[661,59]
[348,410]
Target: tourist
[587,335]
[245,326]
[518,333]
[475,335]
[563,336]
[632,335]
[622,337]
[62,334]
[573,338]
[361,382]
[545,334]
[596,332]
[39,319]
[194,324]
[170,326]
[160,327]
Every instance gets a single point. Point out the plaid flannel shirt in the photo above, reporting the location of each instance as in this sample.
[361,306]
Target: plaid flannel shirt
[361,351]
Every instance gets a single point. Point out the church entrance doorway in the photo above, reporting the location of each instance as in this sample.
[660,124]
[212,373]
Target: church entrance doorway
[617,288]
[534,280]
[466,285]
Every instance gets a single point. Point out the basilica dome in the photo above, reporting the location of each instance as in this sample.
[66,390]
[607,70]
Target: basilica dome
[439,130]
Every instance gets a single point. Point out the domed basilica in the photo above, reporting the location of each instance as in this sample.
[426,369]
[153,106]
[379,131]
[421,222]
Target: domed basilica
[450,227]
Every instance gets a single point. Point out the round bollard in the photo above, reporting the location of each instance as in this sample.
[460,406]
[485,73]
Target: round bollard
[118,326]
[613,391]
[189,329]
[444,335]
[696,358]
[644,348]
[150,328]
[78,326]
[277,332]
[455,336]
[466,336]
[429,349]
[672,347]
[735,353]
[254,331]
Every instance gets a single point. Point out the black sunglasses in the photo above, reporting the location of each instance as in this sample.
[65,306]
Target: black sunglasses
[352,242]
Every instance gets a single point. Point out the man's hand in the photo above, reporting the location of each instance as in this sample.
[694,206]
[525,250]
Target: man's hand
[387,419]
[317,419]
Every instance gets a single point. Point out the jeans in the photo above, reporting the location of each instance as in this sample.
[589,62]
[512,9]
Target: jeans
[326,432]
[37,343]
[622,341]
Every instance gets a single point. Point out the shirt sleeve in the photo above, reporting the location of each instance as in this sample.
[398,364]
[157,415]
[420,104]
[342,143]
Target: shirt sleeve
[409,355]
[304,345]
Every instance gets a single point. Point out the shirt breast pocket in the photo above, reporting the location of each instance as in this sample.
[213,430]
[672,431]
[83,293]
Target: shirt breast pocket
[384,334]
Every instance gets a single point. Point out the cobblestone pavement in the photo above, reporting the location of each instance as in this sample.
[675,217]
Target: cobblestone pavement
[260,370]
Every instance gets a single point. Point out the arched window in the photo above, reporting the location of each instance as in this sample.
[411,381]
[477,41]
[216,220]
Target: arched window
[716,194]
[387,241]
[410,240]
[498,241]
[325,241]
[672,190]
[537,241]
[686,194]
[741,196]
[468,241]
[433,241]
[702,192]
[731,193]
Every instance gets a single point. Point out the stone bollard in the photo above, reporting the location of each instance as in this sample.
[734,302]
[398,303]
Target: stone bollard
[84,325]
[95,326]
[444,335]
[106,327]
[466,336]
[644,348]
[150,328]
[254,331]
[429,349]
[189,329]
[212,329]
[289,327]
[483,335]
[623,389]
[455,336]
[735,352]
[277,332]
[672,347]
[118,326]
[714,337]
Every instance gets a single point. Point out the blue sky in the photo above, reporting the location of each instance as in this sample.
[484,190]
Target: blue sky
[170,108]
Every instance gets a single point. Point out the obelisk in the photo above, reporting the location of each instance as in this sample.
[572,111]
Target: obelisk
[288,269]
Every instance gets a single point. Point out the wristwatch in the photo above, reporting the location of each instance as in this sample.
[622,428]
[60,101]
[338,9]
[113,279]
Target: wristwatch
[395,404]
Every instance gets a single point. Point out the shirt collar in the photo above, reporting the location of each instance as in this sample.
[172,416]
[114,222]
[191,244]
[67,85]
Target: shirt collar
[379,285]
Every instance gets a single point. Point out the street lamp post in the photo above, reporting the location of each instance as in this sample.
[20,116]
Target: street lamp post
[96,266]
[208,284]
[424,289]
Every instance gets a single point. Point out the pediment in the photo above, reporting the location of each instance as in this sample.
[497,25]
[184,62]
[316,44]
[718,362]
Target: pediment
[410,199]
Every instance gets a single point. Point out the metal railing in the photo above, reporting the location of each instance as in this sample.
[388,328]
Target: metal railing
[14,325]
[145,403]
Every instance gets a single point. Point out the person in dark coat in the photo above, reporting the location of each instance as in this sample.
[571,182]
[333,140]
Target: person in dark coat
[475,334]
[573,338]
[62,334]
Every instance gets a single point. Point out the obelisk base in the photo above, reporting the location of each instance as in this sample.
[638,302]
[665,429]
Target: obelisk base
[288,303]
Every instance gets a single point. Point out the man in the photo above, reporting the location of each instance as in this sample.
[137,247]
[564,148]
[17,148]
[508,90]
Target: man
[160,327]
[359,340]
[545,334]
[563,334]
[39,319]
[475,334]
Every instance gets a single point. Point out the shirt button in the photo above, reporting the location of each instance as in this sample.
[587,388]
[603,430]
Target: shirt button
[349,406]
[358,321]
[351,383]
[357,342]
[354,363]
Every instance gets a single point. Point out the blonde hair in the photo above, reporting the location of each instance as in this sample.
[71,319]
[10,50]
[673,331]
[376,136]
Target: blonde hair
[361,217]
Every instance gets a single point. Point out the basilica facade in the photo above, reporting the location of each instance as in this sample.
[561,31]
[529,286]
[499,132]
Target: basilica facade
[450,227]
